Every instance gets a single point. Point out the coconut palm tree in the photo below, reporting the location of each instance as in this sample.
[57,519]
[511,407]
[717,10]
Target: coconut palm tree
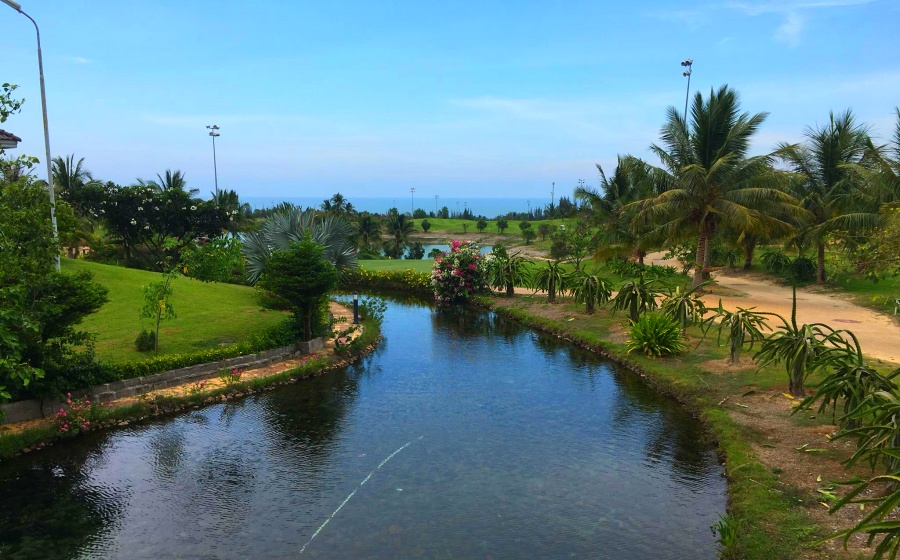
[368,231]
[825,182]
[172,181]
[75,184]
[399,227]
[707,178]
[616,236]
[291,225]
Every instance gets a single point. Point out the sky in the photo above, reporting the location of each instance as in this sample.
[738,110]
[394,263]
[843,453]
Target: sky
[458,99]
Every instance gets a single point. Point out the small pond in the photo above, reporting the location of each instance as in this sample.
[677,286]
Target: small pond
[463,436]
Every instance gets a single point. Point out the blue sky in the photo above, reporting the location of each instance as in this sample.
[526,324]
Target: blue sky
[453,98]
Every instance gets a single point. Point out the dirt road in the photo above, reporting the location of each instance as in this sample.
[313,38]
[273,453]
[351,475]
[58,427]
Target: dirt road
[878,334]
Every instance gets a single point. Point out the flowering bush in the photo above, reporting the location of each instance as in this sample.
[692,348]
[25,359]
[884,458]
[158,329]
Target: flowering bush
[458,274]
[230,376]
[75,416]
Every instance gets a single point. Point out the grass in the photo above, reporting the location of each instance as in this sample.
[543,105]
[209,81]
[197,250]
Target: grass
[209,314]
[398,264]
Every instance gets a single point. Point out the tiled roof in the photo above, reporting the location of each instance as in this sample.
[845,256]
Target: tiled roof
[9,136]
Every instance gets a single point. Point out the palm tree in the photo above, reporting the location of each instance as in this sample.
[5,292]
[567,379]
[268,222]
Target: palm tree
[75,184]
[551,278]
[707,179]
[505,271]
[291,225]
[400,227]
[825,182]
[172,181]
[368,231]
[616,236]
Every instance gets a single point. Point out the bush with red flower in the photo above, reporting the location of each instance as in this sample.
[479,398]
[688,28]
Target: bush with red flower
[458,274]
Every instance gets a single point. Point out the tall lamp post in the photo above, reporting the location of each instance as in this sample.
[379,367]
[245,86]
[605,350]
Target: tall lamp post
[689,65]
[435,205]
[15,6]
[214,131]
[412,200]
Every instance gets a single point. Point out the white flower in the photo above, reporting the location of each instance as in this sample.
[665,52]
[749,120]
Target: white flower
[193,207]
[133,222]
[140,208]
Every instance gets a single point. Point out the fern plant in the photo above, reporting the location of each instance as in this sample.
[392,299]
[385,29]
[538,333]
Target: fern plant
[655,335]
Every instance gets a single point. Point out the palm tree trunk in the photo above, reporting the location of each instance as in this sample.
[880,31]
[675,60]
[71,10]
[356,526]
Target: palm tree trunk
[510,289]
[698,270]
[749,248]
[707,255]
[641,255]
[820,275]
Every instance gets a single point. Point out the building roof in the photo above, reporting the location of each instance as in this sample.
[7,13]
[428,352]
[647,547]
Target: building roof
[9,136]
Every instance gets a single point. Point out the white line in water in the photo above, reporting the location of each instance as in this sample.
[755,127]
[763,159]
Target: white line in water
[347,499]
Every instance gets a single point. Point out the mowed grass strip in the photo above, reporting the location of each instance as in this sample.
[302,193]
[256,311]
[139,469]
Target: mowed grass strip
[209,314]
[398,264]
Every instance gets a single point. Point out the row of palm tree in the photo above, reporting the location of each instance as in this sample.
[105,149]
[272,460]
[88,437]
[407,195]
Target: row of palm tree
[836,184]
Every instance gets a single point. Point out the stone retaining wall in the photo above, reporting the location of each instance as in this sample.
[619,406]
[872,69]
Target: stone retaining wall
[37,408]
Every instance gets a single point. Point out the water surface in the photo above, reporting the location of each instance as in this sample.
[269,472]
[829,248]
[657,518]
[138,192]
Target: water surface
[476,438]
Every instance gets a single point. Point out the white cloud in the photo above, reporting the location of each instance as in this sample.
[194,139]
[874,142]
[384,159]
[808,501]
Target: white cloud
[79,60]
[791,27]
[789,30]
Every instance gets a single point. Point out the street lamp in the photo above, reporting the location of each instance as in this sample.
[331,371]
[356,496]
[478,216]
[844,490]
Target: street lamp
[213,131]
[689,64]
[435,205]
[412,200]
[15,6]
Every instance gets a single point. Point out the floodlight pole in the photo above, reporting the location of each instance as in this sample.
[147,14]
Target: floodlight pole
[689,64]
[214,131]
[412,201]
[15,6]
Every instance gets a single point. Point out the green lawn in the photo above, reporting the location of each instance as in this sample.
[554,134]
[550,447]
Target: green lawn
[209,314]
[451,225]
[398,264]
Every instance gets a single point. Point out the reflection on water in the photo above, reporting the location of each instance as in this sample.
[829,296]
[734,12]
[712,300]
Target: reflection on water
[520,446]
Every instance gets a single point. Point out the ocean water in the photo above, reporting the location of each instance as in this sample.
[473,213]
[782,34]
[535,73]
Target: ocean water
[488,207]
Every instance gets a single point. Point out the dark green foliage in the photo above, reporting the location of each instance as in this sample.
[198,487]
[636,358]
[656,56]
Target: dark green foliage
[217,260]
[481,224]
[39,307]
[502,224]
[303,277]
[544,230]
[415,251]
[775,261]
[524,226]
[426,225]
[528,235]
[145,341]
[637,297]
[801,269]
[655,335]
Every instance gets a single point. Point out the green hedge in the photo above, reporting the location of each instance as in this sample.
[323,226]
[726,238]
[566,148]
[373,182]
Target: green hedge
[406,280]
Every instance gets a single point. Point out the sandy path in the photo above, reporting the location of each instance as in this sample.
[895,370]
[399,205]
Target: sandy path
[878,335]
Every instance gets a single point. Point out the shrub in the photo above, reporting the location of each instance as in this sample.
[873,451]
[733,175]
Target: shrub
[218,260]
[589,289]
[75,415]
[775,261]
[458,274]
[426,225]
[406,280]
[415,251]
[655,335]
[145,341]
[801,269]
